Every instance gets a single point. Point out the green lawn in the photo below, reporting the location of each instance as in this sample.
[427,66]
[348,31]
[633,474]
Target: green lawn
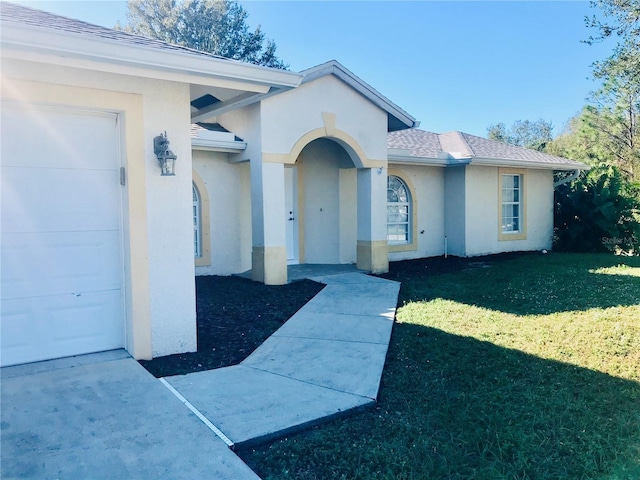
[526,367]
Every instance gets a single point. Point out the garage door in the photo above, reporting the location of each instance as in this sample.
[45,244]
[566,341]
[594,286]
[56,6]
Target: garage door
[62,270]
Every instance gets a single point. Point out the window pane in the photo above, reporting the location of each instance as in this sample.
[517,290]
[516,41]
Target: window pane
[507,181]
[511,203]
[196,222]
[398,210]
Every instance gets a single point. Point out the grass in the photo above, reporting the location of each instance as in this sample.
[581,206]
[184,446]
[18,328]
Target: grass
[508,367]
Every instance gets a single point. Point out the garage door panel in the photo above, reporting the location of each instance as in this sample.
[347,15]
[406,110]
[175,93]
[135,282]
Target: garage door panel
[50,200]
[58,147]
[62,260]
[60,263]
[87,318]
[35,329]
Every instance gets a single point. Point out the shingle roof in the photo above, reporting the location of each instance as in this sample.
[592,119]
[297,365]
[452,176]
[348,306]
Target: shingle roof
[419,142]
[20,14]
[422,144]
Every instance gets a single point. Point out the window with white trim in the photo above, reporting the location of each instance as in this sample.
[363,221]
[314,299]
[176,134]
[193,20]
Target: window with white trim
[197,224]
[398,211]
[511,204]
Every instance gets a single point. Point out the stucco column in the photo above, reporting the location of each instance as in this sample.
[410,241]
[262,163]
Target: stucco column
[372,252]
[269,255]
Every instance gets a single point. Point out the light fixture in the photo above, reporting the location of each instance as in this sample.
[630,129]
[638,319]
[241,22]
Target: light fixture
[166,158]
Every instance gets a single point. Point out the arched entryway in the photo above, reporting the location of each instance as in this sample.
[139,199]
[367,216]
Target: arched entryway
[325,214]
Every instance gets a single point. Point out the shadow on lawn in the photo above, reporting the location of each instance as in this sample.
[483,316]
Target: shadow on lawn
[522,283]
[453,407]
[511,414]
[477,407]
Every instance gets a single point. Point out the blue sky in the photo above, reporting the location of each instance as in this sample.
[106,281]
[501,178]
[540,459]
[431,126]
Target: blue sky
[453,65]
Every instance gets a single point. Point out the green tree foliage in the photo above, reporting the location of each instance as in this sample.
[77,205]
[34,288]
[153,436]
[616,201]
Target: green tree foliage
[597,213]
[603,134]
[215,26]
[523,133]
[614,110]
[619,19]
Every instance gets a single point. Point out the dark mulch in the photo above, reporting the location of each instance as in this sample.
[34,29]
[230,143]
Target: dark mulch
[423,267]
[235,316]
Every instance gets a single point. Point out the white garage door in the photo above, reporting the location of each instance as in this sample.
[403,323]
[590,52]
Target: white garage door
[62,270]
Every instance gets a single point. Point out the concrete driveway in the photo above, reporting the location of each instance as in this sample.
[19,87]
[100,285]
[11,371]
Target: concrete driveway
[104,416]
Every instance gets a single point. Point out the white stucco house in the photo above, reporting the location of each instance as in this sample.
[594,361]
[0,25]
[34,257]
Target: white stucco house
[99,250]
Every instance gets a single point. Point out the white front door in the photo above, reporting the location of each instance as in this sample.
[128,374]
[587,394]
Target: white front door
[291,213]
[62,267]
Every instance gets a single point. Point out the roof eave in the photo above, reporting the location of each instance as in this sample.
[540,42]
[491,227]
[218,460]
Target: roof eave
[27,42]
[427,161]
[218,145]
[497,162]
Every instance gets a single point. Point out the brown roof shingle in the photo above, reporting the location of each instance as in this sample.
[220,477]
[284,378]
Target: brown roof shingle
[19,14]
[423,144]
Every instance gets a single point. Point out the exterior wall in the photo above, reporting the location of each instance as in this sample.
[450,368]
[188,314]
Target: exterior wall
[328,201]
[454,210]
[158,265]
[325,104]
[428,187]
[348,214]
[482,211]
[277,132]
[229,190]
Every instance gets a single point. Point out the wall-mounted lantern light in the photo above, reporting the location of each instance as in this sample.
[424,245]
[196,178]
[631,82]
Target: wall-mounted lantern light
[166,158]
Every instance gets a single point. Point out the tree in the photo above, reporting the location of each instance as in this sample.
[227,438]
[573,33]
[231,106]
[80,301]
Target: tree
[215,26]
[535,135]
[603,134]
[619,19]
[614,109]
[597,213]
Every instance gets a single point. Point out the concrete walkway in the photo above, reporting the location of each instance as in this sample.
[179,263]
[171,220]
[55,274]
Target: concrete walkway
[104,416]
[325,361]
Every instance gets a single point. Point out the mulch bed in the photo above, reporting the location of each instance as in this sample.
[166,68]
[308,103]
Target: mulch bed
[423,267]
[235,316]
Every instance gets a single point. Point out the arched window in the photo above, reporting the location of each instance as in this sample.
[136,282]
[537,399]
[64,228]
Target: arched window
[197,223]
[399,213]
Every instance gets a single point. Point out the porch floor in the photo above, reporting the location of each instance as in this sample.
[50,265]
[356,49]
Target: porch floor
[310,270]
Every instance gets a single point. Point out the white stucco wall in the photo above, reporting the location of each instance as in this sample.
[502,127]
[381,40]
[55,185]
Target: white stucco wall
[287,117]
[348,214]
[157,220]
[328,202]
[229,190]
[428,187]
[481,203]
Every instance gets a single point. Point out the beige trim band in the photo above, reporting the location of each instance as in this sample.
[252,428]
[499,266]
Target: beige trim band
[522,234]
[356,153]
[204,260]
[373,256]
[413,245]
